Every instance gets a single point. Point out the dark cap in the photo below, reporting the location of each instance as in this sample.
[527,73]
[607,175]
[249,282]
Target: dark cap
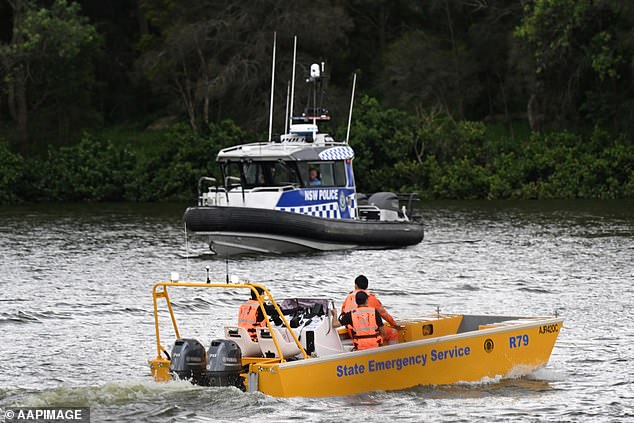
[361,281]
[361,298]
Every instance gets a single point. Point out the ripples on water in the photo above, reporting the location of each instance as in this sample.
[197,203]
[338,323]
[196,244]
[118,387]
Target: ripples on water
[76,325]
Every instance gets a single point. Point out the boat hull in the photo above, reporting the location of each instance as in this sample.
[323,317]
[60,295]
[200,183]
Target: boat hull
[313,359]
[468,357]
[236,243]
[240,230]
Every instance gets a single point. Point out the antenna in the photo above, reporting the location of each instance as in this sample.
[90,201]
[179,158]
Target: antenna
[186,249]
[272,87]
[293,79]
[354,84]
[314,79]
[227,268]
[287,120]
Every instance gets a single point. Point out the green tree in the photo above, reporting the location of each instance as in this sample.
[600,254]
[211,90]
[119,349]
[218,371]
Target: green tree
[92,170]
[41,61]
[580,57]
[173,171]
[420,72]
[215,55]
[380,137]
[11,173]
[453,59]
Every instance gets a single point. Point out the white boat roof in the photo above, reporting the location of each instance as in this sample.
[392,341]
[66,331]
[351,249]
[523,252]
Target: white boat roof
[288,150]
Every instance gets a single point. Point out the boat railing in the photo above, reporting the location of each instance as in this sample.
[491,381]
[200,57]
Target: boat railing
[210,195]
[410,198]
[232,182]
[160,290]
[274,189]
[213,196]
[281,188]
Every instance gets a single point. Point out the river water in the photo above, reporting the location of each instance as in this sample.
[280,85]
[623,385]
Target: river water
[76,325]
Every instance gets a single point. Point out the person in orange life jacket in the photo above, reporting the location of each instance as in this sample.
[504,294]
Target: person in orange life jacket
[250,315]
[367,326]
[361,285]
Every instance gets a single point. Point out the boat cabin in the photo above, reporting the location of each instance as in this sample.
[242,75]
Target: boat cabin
[295,176]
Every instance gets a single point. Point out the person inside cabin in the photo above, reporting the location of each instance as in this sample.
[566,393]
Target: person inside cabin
[367,326]
[349,304]
[313,177]
[250,315]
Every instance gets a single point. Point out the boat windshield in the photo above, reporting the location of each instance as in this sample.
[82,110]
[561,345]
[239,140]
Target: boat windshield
[262,174]
[323,173]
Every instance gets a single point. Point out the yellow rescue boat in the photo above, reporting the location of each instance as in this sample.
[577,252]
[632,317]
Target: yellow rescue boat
[299,353]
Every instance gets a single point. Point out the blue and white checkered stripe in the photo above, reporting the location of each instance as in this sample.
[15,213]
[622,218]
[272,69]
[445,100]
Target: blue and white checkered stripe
[337,153]
[328,210]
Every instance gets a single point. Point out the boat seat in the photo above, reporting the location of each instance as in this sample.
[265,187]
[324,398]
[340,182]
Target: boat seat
[240,336]
[327,340]
[285,341]
[346,342]
[347,345]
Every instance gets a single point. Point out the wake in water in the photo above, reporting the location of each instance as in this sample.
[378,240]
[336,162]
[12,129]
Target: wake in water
[108,394]
[140,400]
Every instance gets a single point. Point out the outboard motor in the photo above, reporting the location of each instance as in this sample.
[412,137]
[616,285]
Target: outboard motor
[188,361]
[388,203]
[224,364]
[385,201]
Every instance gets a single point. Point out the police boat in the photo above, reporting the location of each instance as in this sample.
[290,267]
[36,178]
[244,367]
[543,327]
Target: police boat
[297,193]
[299,352]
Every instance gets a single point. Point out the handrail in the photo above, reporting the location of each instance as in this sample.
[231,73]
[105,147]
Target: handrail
[207,179]
[229,187]
[412,196]
[253,287]
[200,185]
[232,179]
[272,188]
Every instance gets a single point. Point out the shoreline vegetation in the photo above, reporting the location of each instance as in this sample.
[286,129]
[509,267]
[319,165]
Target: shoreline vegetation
[131,101]
[436,157]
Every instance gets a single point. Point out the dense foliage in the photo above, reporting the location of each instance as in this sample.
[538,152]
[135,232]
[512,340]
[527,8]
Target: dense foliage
[435,156]
[439,157]
[459,99]
[96,169]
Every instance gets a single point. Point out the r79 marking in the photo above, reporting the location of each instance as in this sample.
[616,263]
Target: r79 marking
[518,341]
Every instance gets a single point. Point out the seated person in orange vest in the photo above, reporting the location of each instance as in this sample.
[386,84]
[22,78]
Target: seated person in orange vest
[361,285]
[367,326]
[250,315]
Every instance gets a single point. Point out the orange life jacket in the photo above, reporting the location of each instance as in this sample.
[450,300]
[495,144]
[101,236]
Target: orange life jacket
[366,330]
[350,304]
[248,317]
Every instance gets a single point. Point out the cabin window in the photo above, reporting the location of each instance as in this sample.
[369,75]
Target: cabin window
[284,174]
[322,173]
[340,174]
[257,174]
[262,174]
[231,174]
